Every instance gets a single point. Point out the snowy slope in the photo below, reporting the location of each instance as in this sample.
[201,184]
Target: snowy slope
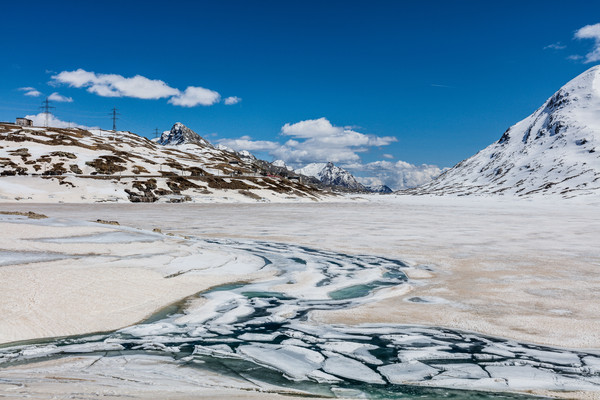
[330,174]
[556,150]
[76,165]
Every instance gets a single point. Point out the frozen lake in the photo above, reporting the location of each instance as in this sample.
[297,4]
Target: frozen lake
[262,333]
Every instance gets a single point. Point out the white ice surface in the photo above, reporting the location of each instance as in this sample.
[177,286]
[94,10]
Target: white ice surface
[351,369]
[295,362]
[413,371]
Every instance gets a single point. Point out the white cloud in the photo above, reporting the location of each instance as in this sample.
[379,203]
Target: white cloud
[318,140]
[140,87]
[246,143]
[113,85]
[555,46]
[231,100]
[311,128]
[590,32]
[40,120]
[308,152]
[397,175]
[193,96]
[30,91]
[315,140]
[60,98]
[388,156]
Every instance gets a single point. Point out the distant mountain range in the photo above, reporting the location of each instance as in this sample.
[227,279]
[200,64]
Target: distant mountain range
[326,174]
[329,174]
[556,150]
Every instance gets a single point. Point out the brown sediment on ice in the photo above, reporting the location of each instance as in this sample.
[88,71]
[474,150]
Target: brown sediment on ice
[28,214]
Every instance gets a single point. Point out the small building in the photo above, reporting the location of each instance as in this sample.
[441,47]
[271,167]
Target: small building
[24,122]
[234,162]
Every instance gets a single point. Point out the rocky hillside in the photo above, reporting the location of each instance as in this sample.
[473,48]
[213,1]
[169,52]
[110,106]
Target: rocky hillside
[76,165]
[556,150]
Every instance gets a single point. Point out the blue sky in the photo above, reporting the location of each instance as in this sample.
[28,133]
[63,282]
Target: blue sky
[371,84]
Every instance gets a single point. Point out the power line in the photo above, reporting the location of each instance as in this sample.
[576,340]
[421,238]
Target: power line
[114,114]
[46,109]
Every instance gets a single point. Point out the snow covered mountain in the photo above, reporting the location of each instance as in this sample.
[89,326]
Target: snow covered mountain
[281,164]
[75,165]
[556,150]
[245,154]
[329,174]
[181,134]
[379,189]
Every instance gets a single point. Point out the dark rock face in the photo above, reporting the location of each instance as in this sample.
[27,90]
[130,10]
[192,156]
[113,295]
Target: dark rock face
[181,134]
[384,189]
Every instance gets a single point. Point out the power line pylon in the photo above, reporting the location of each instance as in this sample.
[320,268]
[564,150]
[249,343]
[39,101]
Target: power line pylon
[46,110]
[155,133]
[114,114]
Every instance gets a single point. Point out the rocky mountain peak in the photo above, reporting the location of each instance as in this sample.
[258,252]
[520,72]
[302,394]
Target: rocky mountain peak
[281,164]
[181,134]
[330,174]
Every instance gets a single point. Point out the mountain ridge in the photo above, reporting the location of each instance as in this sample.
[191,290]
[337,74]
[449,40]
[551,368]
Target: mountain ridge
[555,150]
[330,174]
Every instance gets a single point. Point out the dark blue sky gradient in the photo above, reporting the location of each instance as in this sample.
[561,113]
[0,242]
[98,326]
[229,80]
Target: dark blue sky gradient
[444,77]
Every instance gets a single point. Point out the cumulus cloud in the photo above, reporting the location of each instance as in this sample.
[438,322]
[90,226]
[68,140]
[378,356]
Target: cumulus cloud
[231,100]
[315,140]
[60,98]
[140,87]
[193,96]
[397,175]
[40,120]
[590,32]
[310,128]
[113,85]
[318,140]
[246,143]
[30,91]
